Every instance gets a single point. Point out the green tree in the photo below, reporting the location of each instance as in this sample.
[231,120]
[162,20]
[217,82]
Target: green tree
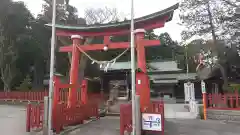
[40,41]
[211,19]
[206,18]
[26,84]
[14,27]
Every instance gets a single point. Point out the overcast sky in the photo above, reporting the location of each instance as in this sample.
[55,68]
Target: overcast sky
[142,8]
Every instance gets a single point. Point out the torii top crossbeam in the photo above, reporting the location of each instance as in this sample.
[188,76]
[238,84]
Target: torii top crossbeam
[152,21]
[77,33]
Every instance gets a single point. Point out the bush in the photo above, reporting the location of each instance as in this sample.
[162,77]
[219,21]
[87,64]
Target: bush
[201,115]
[234,87]
[25,85]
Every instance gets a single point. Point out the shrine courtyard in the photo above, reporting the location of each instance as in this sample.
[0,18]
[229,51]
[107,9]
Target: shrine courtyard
[110,126]
[13,123]
[75,107]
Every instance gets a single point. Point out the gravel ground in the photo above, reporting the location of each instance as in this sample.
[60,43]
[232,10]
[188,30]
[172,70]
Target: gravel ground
[13,120]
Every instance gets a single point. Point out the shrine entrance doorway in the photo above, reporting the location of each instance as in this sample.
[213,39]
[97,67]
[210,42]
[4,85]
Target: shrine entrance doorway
[121,88]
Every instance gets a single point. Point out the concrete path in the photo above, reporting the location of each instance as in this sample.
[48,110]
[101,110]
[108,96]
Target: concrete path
[110,126]
[13,120]
[200,127]
[105,126]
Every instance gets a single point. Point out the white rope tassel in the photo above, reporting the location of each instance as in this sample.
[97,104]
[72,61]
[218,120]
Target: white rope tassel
[103,64]
[106,68]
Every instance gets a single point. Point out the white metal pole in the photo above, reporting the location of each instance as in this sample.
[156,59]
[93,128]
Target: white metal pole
[186,55]
[133,62]
[45,116]
[138,115]
[52,62]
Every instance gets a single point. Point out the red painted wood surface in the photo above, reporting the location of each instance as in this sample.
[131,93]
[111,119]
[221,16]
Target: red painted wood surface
[84,96]
[156,107]
[227,101]
[62,114]
[63,117]
[24,96]
[125,118]
[35,96]
[141,55]
[119,45]
[77,114]
[72,99]
[142,89]
[34,117]
[113,31]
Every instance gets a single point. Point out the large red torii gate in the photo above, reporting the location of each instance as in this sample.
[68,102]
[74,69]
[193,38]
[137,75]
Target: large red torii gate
[141,43]
[155,20]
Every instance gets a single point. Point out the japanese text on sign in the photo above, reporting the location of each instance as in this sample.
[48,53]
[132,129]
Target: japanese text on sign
[151,122]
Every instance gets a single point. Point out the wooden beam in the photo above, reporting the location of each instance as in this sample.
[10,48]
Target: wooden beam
[147,43]
[118,45]
[95,47]
[66,33]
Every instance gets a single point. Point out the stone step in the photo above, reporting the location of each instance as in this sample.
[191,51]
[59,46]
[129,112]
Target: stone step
[116,107]
[178,111]
[112,114]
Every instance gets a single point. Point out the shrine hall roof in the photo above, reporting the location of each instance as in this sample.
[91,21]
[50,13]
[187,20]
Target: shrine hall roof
[161,15]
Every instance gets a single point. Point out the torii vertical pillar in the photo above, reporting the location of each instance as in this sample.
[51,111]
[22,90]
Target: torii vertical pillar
[72,97]
[142,80]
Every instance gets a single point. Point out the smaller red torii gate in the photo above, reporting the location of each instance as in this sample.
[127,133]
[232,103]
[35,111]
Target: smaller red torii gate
[142,89]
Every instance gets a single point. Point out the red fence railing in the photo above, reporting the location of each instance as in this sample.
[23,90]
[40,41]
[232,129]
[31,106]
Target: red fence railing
[39,96]
[75,115]
[34,117]
[125,118]
[156,107]
[23,96]
[63,116]
[227,101]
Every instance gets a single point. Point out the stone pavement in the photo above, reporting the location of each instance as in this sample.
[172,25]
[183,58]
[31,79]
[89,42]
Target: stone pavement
[13,120]
[110,126]
[200,127]
[105,126]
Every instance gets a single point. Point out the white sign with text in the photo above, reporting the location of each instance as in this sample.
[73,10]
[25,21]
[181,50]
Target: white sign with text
[151,122]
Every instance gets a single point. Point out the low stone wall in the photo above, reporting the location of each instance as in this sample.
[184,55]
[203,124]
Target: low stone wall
[228,115]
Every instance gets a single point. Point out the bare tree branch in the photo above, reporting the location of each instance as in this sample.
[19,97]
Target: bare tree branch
[101,15]
[230,3]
